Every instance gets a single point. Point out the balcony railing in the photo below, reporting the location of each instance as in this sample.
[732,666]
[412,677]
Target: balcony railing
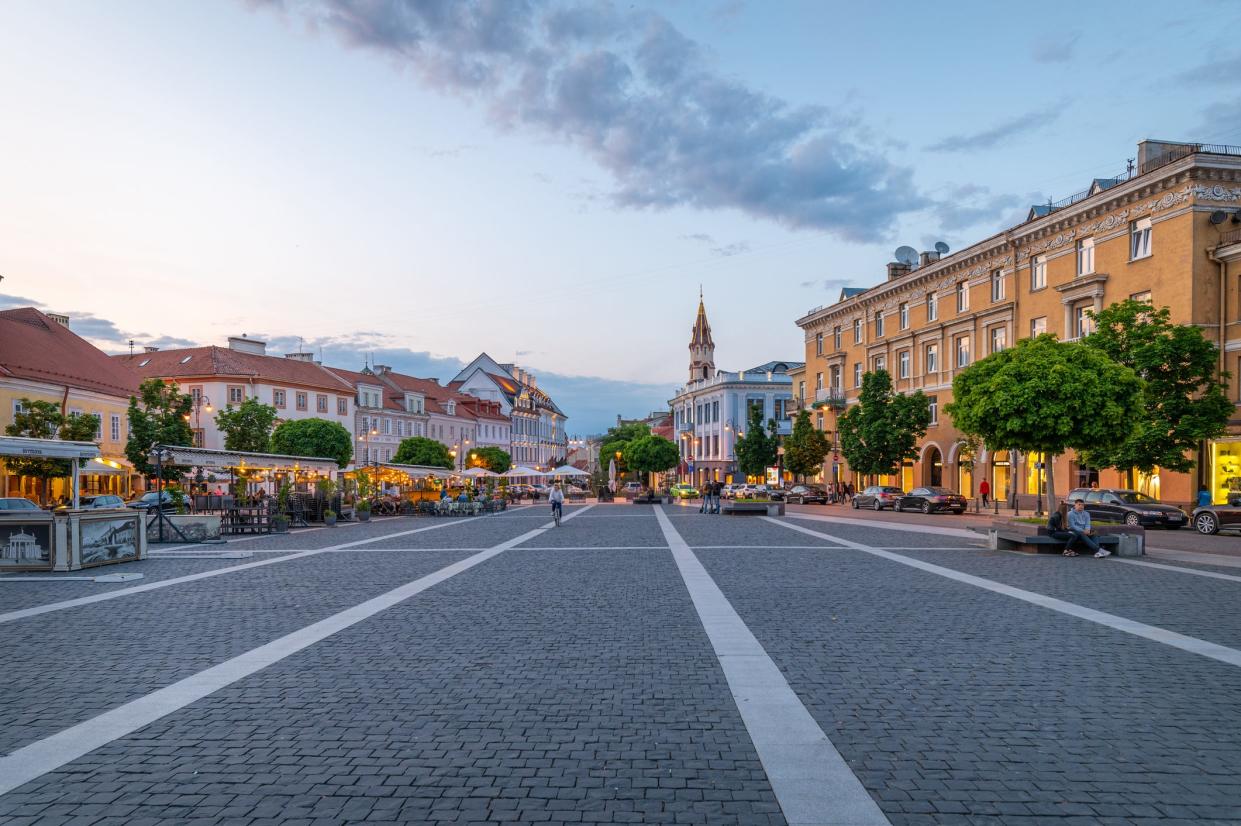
[832,397]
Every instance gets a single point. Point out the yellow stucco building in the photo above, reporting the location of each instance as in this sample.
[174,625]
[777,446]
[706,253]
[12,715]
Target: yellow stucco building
[43,360]
[1167,231]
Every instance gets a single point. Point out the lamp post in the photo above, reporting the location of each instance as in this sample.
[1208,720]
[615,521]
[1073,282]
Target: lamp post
[370,457]
[201,403]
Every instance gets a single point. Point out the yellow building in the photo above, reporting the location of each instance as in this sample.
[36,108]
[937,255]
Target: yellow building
[1166,231]
[43,360]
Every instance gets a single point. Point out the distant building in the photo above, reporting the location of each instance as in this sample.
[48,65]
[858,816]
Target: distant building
[537,426]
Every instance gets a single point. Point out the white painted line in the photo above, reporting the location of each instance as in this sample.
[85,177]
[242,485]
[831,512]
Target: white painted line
[50,753]
[1193,645]
[125,577]
[202,555]
[231,569]
[1179,570]
[763,547]
[960,533]
[812,782]
[1218,560]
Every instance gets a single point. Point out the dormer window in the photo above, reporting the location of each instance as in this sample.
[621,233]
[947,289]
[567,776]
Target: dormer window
[452,408]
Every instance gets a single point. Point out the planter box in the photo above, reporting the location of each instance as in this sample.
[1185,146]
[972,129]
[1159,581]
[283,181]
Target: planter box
[196,527]
[735,508]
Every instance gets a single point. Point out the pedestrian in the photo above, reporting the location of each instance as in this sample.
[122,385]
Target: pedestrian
[704,495]
[716,489]
[1081,530]
[984,490]
[1204,497]
[848,491]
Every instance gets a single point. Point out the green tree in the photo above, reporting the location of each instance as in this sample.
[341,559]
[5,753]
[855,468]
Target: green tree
[247,427]
[494,459]
[805,447]
[419,450]
[44,420]
[882,430]
[313,437]
[1046,396]
[615,441]
[159,414]
[757,448]
[1184,401]
[651,454]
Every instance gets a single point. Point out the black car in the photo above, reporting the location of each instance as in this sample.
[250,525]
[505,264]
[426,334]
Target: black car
[930,499]
[1129,507]
[147,501]
[805,495]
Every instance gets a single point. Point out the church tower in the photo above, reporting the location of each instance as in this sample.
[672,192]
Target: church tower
[701,347]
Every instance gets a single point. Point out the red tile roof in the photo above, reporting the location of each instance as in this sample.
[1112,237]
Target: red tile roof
[34,347]
[205,362]
[392,400]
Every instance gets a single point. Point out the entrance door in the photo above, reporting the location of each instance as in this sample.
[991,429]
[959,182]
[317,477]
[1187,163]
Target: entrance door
[934,472]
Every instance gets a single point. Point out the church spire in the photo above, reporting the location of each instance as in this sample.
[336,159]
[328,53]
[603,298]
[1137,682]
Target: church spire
[701,347]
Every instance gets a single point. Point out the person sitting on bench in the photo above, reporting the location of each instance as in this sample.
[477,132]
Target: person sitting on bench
[1079,531]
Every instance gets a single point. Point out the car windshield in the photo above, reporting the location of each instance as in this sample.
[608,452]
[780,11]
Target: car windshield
[1132,497]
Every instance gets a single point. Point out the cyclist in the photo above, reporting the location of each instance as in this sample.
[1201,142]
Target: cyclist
[556,497]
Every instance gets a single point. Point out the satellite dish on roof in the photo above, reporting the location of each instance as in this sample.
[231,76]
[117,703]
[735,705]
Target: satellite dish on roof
[906,255]
[1218,216]
[941,248]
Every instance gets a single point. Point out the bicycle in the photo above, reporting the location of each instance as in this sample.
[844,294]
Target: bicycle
[556,511]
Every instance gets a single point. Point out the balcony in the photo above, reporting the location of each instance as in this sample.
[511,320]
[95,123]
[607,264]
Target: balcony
[832,397]
[784,427]
[684,426]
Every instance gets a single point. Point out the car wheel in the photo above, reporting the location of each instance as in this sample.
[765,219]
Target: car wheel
[897,507]
[855,504]
[1132,520]
[1206,523]
[876,506]
[926,507]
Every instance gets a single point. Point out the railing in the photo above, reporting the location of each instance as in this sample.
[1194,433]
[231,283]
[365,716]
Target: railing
[833,397]
[1232,237]
[1178,152]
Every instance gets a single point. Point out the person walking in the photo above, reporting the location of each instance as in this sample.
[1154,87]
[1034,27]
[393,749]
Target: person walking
[984,490]
[1079,526]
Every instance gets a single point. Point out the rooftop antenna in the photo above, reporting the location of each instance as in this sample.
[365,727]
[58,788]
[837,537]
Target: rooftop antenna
[131,346]
[907,255]
[941,248]
[1129,167]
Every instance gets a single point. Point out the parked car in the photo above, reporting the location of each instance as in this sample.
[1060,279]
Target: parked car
[684,491]
[105,500]
[1129,507]
[806,495]
[755,492]
[929,499]
[1211,519]
[632,488]
[729,491]
[17,503]
[877,497]
[148,501]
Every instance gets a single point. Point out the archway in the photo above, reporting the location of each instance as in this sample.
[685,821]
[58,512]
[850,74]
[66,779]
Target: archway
[933,466]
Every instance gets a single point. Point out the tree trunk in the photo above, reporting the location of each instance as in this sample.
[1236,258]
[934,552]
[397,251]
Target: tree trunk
[1051,483]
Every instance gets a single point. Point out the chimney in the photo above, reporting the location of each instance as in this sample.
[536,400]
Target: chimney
[60,318]
[247,345]
[381,369]
[150,349]
[300,356]
[929,257]
[896,269]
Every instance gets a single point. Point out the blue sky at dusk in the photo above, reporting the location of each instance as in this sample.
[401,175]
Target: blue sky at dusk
[551,182]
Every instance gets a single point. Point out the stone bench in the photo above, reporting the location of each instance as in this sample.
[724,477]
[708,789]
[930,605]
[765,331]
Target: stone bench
[734,508]
[1038,540]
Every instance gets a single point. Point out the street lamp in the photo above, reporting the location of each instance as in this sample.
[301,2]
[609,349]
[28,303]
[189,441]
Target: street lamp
[370,457]
[200,403]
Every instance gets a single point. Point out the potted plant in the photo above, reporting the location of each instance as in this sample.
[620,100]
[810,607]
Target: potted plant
[363,510]
[329,518]
[280,519]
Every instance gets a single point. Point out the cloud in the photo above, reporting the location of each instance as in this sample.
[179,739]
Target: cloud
[725,250]
[970,205]
[639,98]
[9,301]
[1219,72]
[592,403]
[1055,48]
[996,135]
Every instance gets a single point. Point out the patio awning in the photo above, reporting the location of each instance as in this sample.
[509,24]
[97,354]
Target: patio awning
[228,459]
[47,448]
[104,467]
[419,471]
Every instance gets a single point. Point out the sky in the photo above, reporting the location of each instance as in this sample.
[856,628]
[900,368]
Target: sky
[553,182]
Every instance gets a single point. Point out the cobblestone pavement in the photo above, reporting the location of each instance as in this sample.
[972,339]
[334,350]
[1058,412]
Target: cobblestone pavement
[568,678]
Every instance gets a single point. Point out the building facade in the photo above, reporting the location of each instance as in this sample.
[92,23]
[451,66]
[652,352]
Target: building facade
[42,359]
[537,434]
[710,412]
[1167,231]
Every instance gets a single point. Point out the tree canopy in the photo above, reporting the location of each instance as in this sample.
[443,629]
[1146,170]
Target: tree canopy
[492,458]
[1046,396]
[805,448]
[247,427]
[159,414]
[419,450]
[44,420]
[757,449]
[882,430]
[651,454]
[1183,400]
[313,437]
[616,439]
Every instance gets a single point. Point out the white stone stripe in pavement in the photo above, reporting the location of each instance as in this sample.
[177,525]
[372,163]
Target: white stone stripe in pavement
[812,782]
[50,753]
[959,533]
[1180,570]
[23,613]
[1193,645]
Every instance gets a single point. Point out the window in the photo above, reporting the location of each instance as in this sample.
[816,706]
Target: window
[932,306]
[300,400]
[933,403]
[963,351]
[715,411]
[902,362]
[836,338]
[857,331]
[1038,272]
[999,339]
[801,387]
[878,323]
[1143,297]
[236,394]
[1085,256]
[98,417]
[116,428]
[818,381]
[818,344]
[932,358]
[17,407]
[997,285]
[386,426]
[196,394]
[1083,324]
[320,403]
[904,315]
[857,374]
[1140,238]
[342,406]
[366,424]
[881,362]
[1038,326]
[963,296]
[198,438]
[278,398]
[820,421]
[836,377]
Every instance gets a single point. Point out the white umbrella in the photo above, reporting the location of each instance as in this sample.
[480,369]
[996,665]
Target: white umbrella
[612,474]
[519,471]
[479,471]
[567,470]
